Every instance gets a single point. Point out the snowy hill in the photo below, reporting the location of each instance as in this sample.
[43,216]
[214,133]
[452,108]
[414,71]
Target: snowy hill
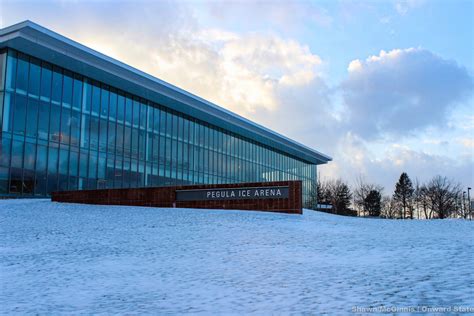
[71,258]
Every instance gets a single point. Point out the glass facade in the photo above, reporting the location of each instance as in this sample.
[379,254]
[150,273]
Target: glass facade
[64,131]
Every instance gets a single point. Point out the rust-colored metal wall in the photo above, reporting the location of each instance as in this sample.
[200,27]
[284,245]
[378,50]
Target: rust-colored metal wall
[166,197]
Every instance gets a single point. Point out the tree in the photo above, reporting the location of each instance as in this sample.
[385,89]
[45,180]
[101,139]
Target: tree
[339,196]
[361,192]
[442,195]
[389,208]
[312,201]
[372,203]
[403,195]
[421,199]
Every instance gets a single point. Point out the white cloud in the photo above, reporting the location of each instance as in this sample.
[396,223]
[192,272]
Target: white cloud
[403,91]
[404,6]
[467,142]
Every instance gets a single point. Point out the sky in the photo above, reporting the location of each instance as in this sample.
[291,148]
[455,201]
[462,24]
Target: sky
[383,87]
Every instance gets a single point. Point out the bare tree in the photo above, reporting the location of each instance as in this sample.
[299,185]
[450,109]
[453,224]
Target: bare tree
[389,208]
[361,191]
[443,195]
[338,195]
[421,200]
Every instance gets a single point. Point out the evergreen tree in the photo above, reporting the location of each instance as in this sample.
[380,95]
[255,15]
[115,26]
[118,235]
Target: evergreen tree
[339,195]
[403,195]
[373,203]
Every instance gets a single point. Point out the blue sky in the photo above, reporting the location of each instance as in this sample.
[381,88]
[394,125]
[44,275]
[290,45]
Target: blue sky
[384,87]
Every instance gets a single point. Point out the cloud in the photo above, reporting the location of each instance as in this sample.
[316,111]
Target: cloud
[402,91]
[467,142]
[403,6]
[356,159]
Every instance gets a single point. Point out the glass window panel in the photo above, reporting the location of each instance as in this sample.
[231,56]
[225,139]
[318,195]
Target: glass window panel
[8,106]
[128,111]
[104,103]
[34,83]
[142,144]
[94,133]
[41,158]
[65,125]
[86,97]
[113,106]
[63,161]
[67,89]
[19,116]
[55,120]
[11,71]
[120,108]
[52,160]
[127,141]
[75,128]
[83,164]
[32,118]
[111,137]
[101,166]
[30,156]
[136,113]
[3,180]
[43,120]
[156,120]
[163,118]
[134,142]
[77,93]
[95,99]
[103,135]
[120,142]
[5,152]
[57,85]
[22,74]
[16,181]
[46,76]
[93,165]
[143,108]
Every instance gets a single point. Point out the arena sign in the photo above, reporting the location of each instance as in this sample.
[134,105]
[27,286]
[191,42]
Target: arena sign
[253,193]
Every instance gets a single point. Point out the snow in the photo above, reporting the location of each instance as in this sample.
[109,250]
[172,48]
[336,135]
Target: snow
[72,258]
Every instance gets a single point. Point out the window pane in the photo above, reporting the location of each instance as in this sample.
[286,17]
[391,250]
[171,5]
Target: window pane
[65,125]
[67,89]
[32,118]
[75,130]
[43,120]
[113,106]
[34,85]
[104,103]
[19,115]
[57,85]
[11,71]
[17,154]
[41,158]
[30,156]
[22,74]
[5,152]
[77,94]
[46,76]
[95,99]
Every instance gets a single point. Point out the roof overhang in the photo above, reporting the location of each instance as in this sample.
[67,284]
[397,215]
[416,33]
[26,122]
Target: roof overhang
[49,46]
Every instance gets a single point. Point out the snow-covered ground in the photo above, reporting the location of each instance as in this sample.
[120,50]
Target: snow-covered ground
[71,258]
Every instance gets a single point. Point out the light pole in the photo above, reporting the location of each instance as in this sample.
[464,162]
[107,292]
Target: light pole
[469,202]
[464,211]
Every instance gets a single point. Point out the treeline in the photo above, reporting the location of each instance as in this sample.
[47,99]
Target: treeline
[439,198]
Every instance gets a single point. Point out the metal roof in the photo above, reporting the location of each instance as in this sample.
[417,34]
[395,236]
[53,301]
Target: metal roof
[42,43]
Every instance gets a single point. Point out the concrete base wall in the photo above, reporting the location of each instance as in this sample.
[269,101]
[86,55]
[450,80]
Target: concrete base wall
[166,197]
